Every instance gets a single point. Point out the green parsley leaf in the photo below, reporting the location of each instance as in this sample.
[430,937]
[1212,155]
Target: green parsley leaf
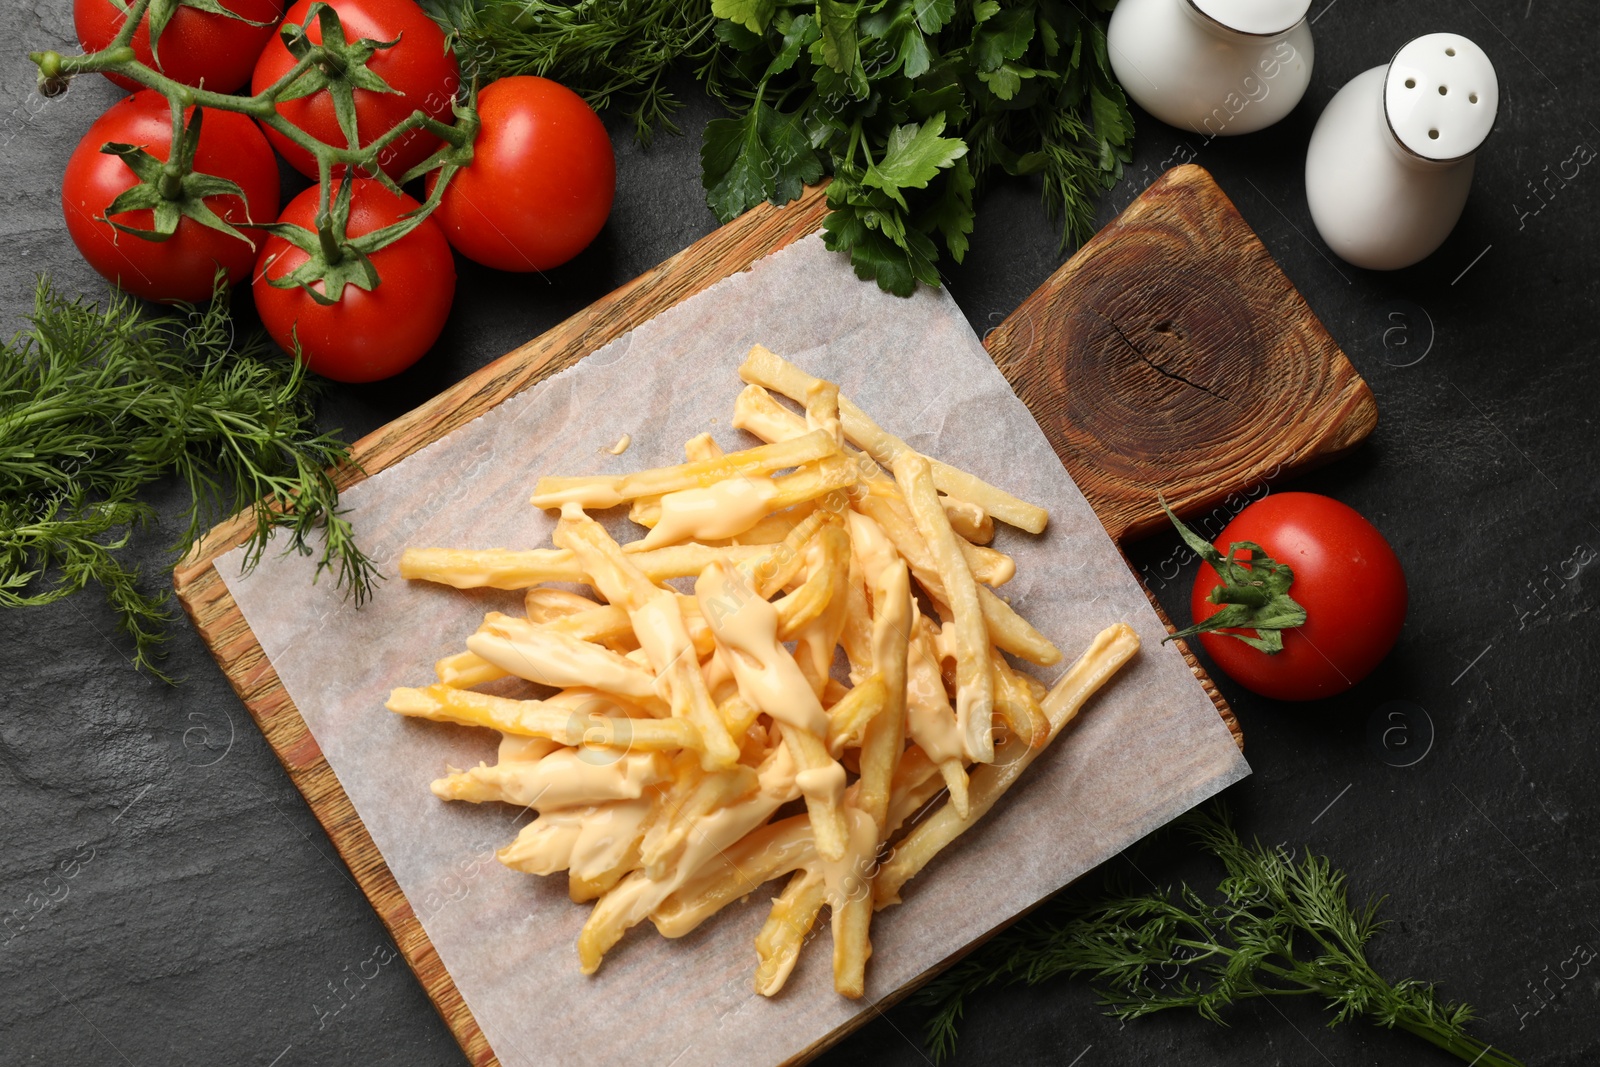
[762,155]
[915,154]
[1006,36]
[952,215]
[753,15]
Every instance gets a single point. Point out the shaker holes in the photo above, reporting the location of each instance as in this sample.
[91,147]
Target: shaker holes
[1411,83]
[1449,51]
[1433,135]
[1443,90]
[1473,98]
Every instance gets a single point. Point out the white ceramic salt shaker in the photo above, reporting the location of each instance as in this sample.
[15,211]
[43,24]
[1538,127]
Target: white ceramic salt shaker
[1217,67]
[1391,159]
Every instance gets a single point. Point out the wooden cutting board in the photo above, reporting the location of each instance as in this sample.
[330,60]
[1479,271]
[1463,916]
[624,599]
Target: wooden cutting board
[1169,356]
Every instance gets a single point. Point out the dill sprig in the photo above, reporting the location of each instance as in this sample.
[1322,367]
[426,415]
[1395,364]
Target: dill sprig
[1282,927]
[612,52]
[97,404]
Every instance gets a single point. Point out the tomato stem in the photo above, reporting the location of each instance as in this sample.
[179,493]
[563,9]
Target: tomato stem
[171,184]
[1249,595]
[130,26]
[332,249]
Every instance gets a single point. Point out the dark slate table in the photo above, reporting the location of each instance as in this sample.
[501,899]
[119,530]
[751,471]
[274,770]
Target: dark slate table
[194,912]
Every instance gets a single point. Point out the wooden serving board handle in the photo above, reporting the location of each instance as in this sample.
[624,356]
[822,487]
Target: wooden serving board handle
[1171,356]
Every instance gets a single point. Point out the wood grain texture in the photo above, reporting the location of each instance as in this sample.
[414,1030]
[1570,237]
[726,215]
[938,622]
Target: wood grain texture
[1025,347]
[1170,355]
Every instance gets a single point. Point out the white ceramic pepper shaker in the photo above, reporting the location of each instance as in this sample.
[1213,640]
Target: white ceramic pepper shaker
[1391,159]
[1217,67]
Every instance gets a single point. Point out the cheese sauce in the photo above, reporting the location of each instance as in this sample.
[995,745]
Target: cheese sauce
[563,779]
[636,896]
[588,840]
[664,637]
[872,547]
[824,784]
[518,647]
[726,509]
[847,877]
[746,629]
[930,720]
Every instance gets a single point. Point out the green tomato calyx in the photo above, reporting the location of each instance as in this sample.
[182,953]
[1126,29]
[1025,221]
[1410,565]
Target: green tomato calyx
[1255,591]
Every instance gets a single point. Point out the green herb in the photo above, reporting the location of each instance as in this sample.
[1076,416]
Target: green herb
[911,105]
[1255,590]
[96,405]
[1281,928]
[610,51]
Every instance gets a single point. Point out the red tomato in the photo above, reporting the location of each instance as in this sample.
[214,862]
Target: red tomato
[366,335]
[196,46]
[541,180]
[421,68]
[183,266]
[1346,577]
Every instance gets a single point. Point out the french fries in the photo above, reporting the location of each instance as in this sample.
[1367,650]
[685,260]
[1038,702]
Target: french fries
[702,744]
[762,367]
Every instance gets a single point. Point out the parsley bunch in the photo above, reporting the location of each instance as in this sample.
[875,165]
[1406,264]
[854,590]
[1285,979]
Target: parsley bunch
[910,105]
[1276,927]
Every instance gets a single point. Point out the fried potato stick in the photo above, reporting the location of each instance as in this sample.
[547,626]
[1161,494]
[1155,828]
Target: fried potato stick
[543,603]
[597,723]
[658,623]
[814,480]
[794,912]
[581,840]
[849,716]
[880,756]
[561,780]
[968,519]
[765,368]
[636,896]
[501,568]
[702,447]
[1016,704]
[826,580]
[1109,650]
[548,657]
[663,845]
[974,672]
[769,679]
[467,669]
[609,490]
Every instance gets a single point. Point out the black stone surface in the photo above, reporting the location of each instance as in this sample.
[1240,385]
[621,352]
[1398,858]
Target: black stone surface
[168,898]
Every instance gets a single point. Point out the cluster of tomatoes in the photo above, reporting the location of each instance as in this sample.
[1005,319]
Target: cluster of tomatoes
[537,192]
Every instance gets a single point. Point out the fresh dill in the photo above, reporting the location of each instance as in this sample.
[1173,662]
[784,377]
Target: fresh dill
[1279,927]
[612,52]
[98,404]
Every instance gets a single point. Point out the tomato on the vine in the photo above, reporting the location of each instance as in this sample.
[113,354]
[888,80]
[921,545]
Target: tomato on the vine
[541,181]
[366,335]
[420,68]
[1346,578]
[184,265]
[194,47]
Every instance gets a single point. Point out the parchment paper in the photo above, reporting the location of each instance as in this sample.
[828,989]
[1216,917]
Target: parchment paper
[1148,748]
